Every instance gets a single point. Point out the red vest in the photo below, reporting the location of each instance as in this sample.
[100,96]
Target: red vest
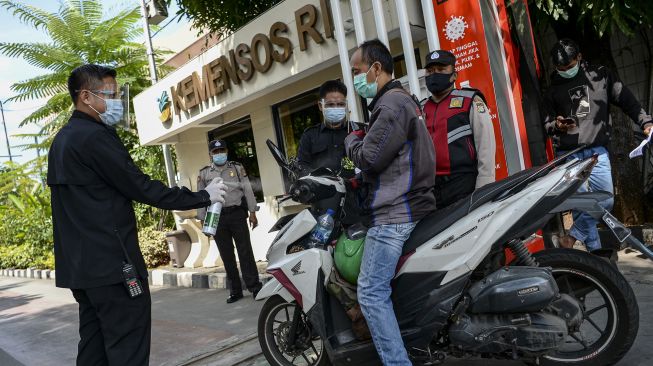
[451,131]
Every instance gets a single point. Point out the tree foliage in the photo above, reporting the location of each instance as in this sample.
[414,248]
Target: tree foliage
[79,32]
[26,224]
[222,17]
[605,16]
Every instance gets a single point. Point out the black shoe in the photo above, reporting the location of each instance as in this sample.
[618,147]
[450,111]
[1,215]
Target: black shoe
[255,292]
[233,298]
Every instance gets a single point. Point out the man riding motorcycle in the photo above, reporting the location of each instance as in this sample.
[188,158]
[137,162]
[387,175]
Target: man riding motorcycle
[397,159]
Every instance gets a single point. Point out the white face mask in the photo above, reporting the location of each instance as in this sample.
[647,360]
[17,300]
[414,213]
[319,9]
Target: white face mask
[113,113]
[334,116]
[568,74]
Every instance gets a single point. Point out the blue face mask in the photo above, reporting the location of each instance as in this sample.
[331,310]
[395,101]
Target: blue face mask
[113,113]
[568,74]
[363,88]
[219,158]
[333,117]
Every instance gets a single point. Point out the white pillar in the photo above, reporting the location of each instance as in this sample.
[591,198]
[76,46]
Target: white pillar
[379,17]
[344,61]
[430,25]
[407,42]
[357,16]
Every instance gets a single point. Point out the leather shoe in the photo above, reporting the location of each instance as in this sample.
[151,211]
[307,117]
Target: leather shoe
[233,298]
[567,241]
[255,292]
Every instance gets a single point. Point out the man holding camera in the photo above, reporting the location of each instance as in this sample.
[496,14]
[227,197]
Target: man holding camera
[578,107]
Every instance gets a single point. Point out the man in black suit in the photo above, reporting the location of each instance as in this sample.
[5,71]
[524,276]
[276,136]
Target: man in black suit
[93,182]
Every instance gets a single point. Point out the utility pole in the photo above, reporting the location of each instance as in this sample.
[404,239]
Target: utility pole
[167,156]
[4,124]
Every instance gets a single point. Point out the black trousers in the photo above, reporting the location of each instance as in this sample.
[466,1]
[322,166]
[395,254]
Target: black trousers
[114,329]
[451,188]
[232,227]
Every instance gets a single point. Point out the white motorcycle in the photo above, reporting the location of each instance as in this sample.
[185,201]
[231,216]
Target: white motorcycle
[454,293]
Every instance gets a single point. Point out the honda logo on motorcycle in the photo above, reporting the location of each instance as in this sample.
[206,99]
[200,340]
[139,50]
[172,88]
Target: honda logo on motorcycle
[297,269]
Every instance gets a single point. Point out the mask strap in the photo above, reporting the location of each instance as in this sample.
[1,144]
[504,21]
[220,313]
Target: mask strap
[95,110]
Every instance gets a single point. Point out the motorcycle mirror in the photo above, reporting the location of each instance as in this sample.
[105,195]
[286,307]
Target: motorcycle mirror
[277,154]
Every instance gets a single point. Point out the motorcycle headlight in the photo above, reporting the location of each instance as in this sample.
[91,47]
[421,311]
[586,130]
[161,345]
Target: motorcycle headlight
[576,173]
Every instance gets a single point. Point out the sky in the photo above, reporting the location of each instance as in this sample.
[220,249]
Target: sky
[14,69]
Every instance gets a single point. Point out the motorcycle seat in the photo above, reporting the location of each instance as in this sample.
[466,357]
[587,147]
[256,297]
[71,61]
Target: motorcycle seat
[438,220]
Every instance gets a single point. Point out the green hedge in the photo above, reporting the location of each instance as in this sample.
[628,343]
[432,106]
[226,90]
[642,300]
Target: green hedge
[153,246]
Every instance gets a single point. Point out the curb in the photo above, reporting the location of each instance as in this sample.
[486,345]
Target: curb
[157,277]
[39,274]
[165,278]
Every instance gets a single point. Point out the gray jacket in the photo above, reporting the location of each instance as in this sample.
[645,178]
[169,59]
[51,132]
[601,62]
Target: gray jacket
[396,157]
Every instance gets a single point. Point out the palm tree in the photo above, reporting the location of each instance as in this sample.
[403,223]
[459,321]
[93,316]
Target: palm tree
[80,33]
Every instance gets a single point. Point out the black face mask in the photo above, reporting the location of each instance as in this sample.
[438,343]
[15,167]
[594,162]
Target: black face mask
[437,83]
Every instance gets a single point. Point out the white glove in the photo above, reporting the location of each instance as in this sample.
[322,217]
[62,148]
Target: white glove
[216,190]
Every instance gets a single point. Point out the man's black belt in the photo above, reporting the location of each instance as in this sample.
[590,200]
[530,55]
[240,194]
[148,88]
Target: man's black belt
[231,209]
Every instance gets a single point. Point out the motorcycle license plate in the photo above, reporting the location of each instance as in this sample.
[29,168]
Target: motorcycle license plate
[618,229]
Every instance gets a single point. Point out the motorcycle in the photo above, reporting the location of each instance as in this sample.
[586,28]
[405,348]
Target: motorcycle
[454,293]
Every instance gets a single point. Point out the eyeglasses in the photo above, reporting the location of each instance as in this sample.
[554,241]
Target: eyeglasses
[110,94]
[333,104]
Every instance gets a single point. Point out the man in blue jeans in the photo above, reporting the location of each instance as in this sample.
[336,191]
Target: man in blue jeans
[578,106]
[397,159]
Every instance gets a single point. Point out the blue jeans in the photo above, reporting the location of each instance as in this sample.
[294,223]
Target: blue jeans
[383,246]
[584,228]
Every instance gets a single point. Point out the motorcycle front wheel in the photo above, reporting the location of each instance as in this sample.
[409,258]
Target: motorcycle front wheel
[274,327]
[610,310]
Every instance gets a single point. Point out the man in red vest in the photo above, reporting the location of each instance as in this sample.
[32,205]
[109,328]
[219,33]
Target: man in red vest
[460,126]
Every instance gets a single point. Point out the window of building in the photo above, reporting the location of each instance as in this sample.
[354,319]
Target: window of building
[240,141]
[400,64]
[292,117]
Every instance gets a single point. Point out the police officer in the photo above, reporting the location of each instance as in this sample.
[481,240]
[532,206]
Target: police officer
[323,145]
[239,200]
[460,126]
[93,182]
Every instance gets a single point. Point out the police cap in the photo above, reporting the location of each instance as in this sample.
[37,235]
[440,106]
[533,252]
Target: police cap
[440,57]
[217,144]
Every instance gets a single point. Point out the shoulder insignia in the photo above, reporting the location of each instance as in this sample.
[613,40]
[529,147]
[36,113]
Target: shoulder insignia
[205,168]
[456,102]
[480,106]
[467,92]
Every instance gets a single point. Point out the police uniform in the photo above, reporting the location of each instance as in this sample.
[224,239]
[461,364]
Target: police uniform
[463,138]
[232,227]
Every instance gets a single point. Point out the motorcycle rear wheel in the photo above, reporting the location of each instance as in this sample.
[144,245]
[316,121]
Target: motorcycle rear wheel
[274,323]
[592,280]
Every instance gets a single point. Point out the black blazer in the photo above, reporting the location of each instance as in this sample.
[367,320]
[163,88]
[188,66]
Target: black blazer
[93,182]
